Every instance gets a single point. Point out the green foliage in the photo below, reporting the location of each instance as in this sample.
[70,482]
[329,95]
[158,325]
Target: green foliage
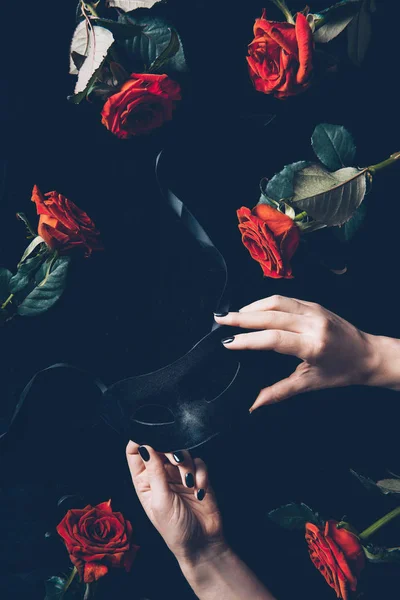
[5,277]
[359,33]
[329,23]
[281,185]
[26,271]
[48,291]
[157,36]
[379,554]
[333,145]
[294,516]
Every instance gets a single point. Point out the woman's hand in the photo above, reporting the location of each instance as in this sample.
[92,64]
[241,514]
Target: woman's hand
[176,496]
[334,353]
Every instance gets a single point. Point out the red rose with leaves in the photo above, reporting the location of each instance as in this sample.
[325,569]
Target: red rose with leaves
[281,56]
[337,554]
[63,225]
[271,238]
[144,102]
[97,539]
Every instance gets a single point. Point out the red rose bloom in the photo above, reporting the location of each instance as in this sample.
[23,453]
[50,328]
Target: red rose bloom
[96,539]
[280,56]
[271,238]
[338,556]
[63,225]
[143,103]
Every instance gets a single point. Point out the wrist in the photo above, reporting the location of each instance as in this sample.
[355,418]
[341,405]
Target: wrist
[208,554]
[383,363]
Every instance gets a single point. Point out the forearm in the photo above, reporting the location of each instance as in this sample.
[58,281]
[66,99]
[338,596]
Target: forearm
[223,576]
[385,362]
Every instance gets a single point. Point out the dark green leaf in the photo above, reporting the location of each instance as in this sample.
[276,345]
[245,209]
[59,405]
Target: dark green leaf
[359,33]
[22,217]
[379,554]
[330,22]
[347,231]
[46,293]
[154,40]
[54,588]
[5,277]
[25,273]
[120,31]
[294,516]
[167,54]
[281,185]
[333,145]
[118,73]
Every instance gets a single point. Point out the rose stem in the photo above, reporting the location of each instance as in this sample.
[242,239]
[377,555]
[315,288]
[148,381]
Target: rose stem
[378,524]
[281,4]
[386,163]
[7,302]
[68,582]
[87,592]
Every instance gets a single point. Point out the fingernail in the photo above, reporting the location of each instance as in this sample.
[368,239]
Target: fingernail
[144,453]
[178,456]
[201,494]
[189,480]
[221,314]
[227,340]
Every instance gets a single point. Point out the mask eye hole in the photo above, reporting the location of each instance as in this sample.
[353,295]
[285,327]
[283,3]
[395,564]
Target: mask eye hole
[153,414]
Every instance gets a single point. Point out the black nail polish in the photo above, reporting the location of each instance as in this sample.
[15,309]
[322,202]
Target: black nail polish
[227,340]
[201,494]
[221,314]
[179,456]
[144,453]
[189,480]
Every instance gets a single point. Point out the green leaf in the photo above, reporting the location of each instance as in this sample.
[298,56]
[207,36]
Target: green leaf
[359,33]
[333,145]
[5,277]
[389,486]
[329,198]
[25,273]
[32,246]
[54,588]
[379,554]
[347,231]
[46,293]
[77,98]
[167,54]
[281,185]
[330,22]
[155,38]
[294,516]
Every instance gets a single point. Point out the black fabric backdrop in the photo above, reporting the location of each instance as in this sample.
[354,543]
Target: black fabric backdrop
[147,298]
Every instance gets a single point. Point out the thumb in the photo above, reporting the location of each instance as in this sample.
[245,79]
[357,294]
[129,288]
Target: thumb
[284,389]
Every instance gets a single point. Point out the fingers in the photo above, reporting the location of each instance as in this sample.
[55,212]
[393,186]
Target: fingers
[152,463]
[282,390]
[134,459]
[260,319]
[284,342]
[185,464]
[281,303]
[201,479]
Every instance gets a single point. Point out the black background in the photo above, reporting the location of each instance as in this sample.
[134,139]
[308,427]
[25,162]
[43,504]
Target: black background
[146,299]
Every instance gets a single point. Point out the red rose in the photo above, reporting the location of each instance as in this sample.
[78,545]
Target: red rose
[280,56]
[271,238]
[63,225]
[143,103]
[338,556]
[97,538]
